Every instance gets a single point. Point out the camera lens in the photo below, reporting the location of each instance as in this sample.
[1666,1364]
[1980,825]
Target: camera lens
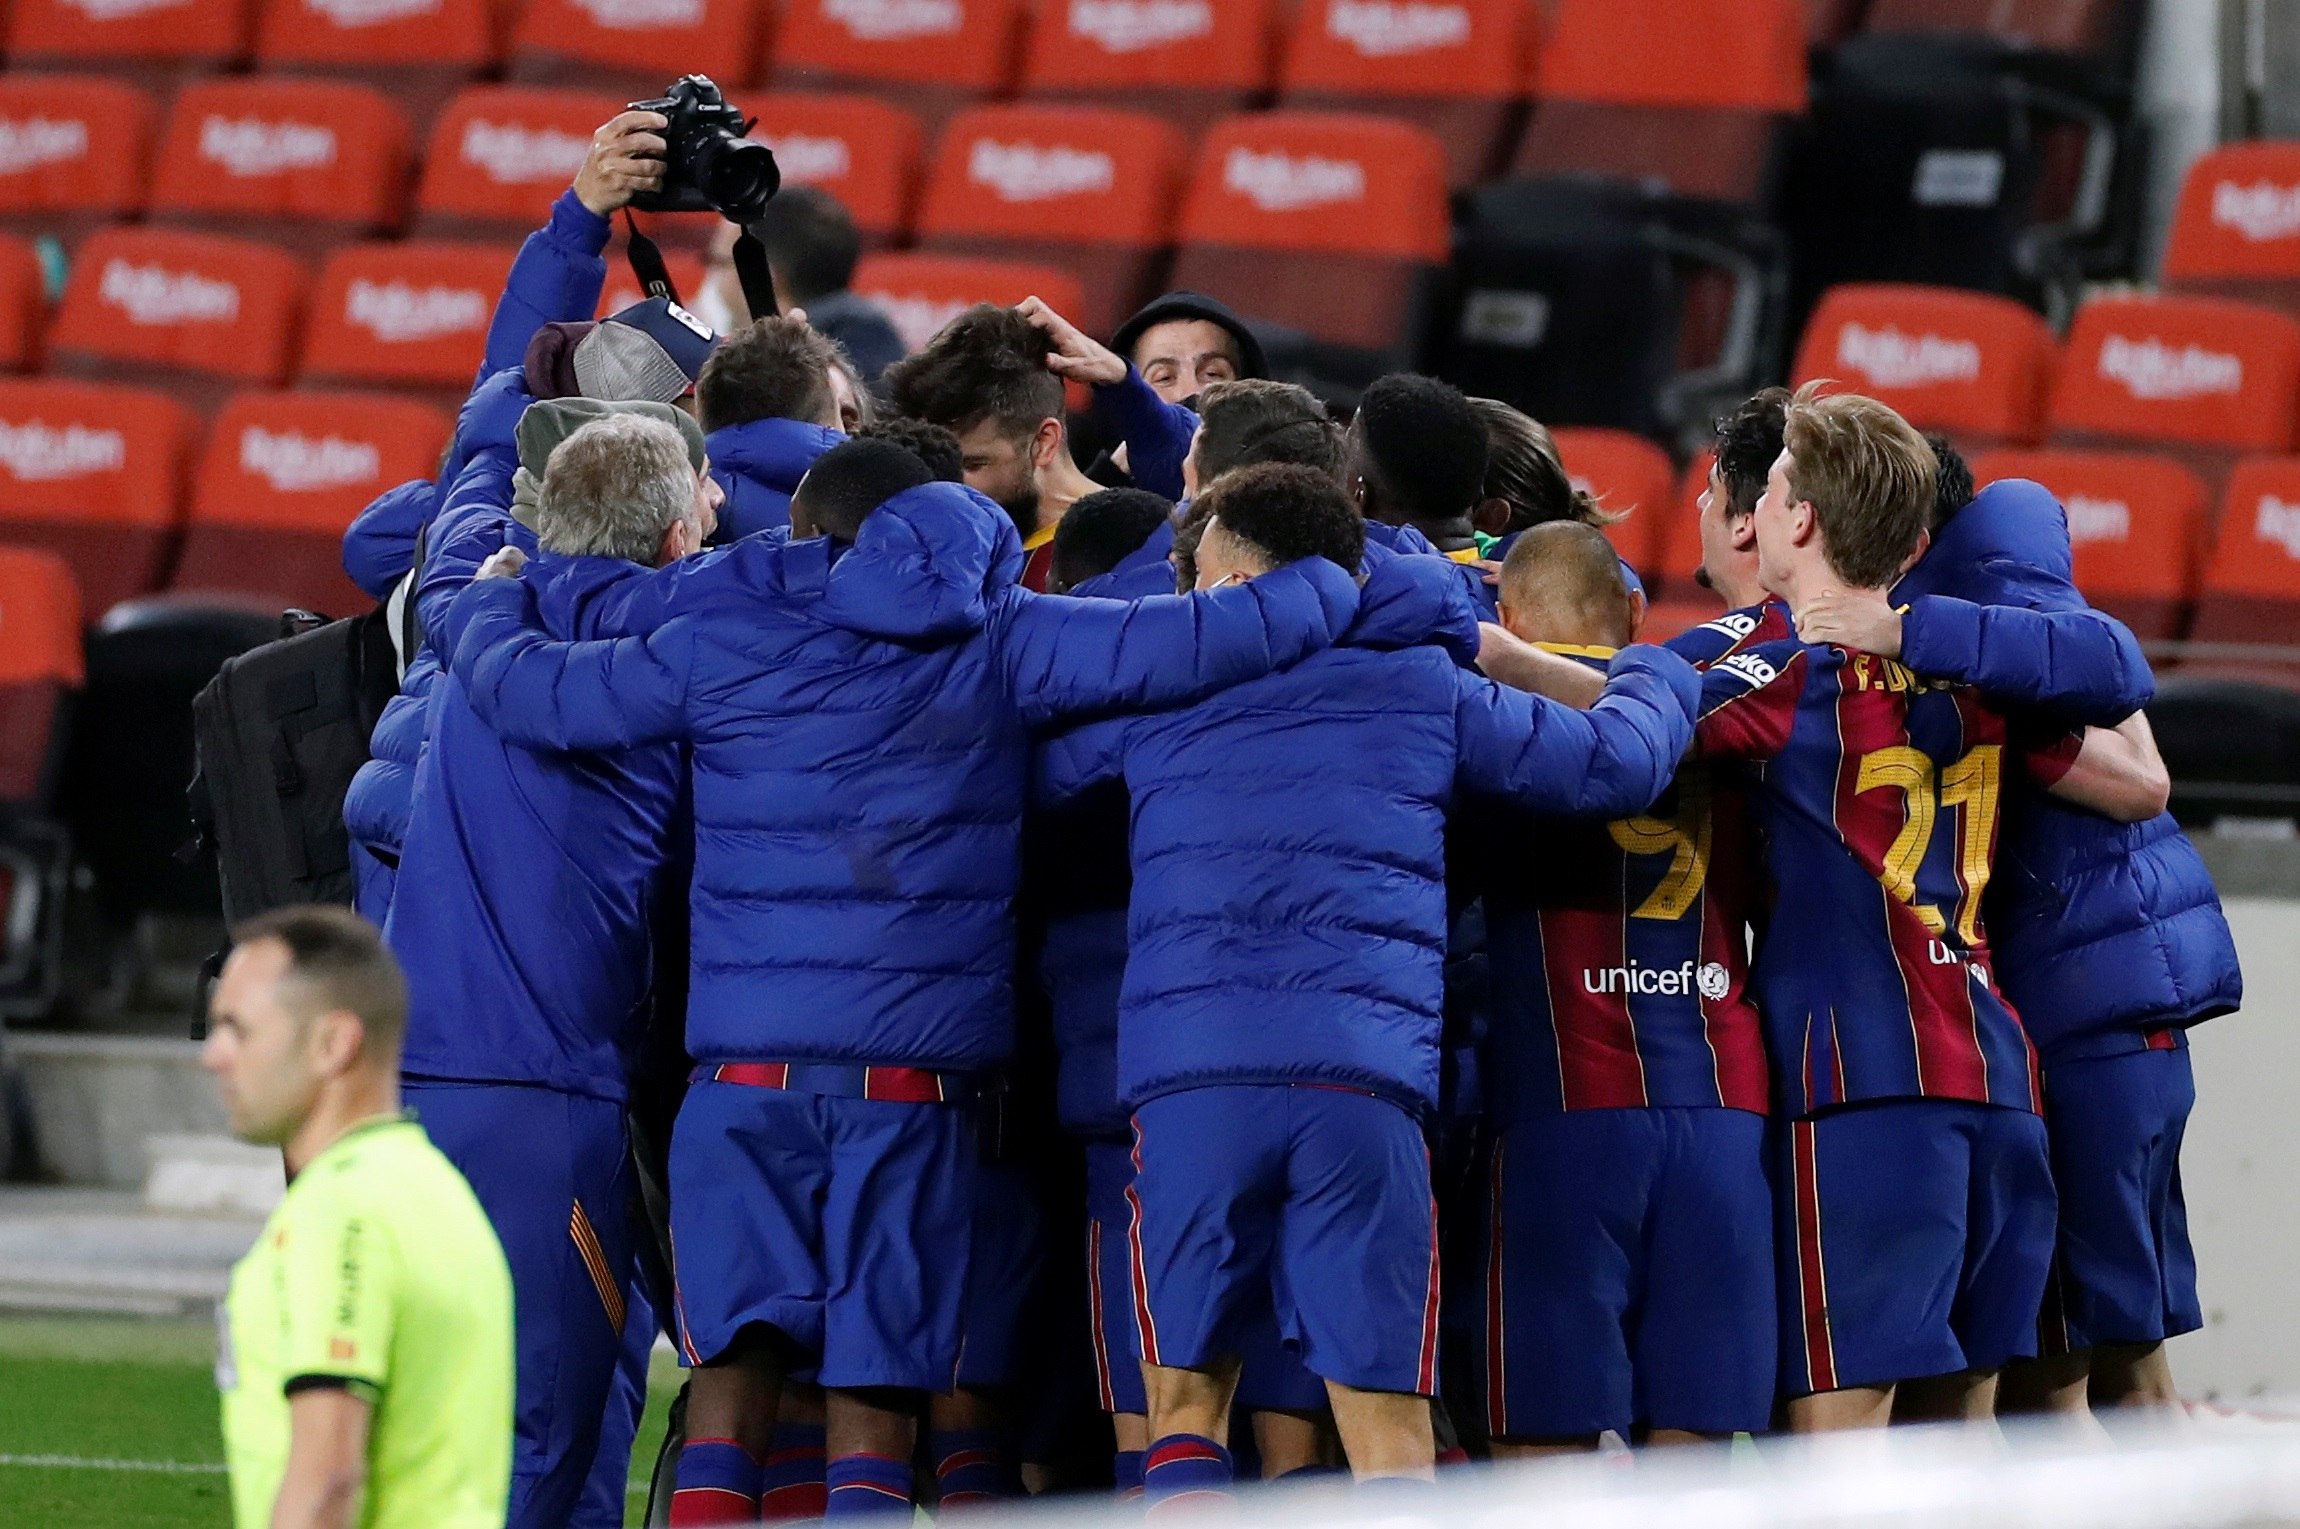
[737,177]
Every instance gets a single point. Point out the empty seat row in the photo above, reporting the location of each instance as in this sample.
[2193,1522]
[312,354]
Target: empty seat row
[123,485]
[2208,378]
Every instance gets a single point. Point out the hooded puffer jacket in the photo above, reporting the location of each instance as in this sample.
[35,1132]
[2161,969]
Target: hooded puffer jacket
[2101,930]
[1288,917]
[758,467]
[860,721]
[1079,868]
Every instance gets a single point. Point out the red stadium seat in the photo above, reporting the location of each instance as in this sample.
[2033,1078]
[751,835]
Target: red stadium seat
[921,293]
[858,148]
[95,474]
[685,268]
[1457,68]
[75,153]
[2061,26]
[500,156]
[636,47]
[418,52]
[404,316]
[930,57]
[23,305]
[283,475]
[1326,224]
[1189,61]
[2237,231]
[2206,379]
[1975,366]
[1693,94]
[41,663]
[305,163]
[1631,477]
[154,42]
[2252,586]
[1830,22]
[1088,190]
[197,314]
[1681,537]
[2138,526]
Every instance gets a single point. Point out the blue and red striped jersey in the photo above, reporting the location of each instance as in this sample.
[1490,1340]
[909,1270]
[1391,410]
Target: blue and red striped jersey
[1878,798]
[1619,950]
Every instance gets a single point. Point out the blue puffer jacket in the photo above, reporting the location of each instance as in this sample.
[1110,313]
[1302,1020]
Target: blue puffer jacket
[758,467]
[475,521]
[1156,433]
[523,923]
[556,279]
[860,724]
[1084,880]
[1288,921]
[2101,930]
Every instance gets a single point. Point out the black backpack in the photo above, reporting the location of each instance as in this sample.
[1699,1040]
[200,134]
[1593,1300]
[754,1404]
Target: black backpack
[280,732]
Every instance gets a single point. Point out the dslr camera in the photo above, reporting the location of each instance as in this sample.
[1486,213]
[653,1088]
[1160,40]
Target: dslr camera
[708,166]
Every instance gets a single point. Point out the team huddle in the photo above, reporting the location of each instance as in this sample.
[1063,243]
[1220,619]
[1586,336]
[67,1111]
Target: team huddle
[1262,953]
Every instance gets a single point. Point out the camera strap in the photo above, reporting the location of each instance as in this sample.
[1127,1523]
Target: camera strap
[750,267]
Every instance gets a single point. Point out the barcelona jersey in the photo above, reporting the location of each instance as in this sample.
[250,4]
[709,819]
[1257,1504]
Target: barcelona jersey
[1877,794]
[1619,949]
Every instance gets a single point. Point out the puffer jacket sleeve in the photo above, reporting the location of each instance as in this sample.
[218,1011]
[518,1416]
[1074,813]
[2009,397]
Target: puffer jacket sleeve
[568,697]
[1070,762]
[1610,761]
[1066,656]
[556,280]
[474,522]
[2081,664]
[1157,433]
[379,545]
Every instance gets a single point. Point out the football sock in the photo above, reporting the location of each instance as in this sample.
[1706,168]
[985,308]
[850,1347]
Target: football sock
[860,1486]
[718,1483]
[973,1466]
[791,1483]
[1184,1471]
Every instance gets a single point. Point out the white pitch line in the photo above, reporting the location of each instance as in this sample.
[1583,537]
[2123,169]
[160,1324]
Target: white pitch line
[85,1463]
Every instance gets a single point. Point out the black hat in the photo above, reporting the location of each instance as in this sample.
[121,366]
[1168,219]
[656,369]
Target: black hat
[1193,305]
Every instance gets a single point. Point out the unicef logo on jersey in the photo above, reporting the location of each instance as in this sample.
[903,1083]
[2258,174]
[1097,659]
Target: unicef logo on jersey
[1710,979]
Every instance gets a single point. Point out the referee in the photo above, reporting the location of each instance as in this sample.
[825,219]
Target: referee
[364,1353]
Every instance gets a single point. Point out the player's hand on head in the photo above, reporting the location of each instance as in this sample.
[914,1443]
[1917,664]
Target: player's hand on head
[626,159]
[1860,619]
[504,563]
[1077,357]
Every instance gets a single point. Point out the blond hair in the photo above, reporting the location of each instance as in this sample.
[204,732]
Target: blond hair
[1870,477]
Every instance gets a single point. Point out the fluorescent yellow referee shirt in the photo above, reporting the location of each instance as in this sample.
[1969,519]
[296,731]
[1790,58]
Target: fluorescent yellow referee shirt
[377,1273]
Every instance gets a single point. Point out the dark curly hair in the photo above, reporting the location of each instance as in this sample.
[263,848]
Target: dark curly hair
[1749,440]
[1424,447]
[931,444]
[1288,512]
[988,363]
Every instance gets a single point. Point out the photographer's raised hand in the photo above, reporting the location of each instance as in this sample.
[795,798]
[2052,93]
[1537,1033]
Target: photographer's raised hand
[626,158]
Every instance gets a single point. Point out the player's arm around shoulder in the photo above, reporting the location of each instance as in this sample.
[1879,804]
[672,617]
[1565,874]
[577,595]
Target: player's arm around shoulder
[2116,772]
[1610,761]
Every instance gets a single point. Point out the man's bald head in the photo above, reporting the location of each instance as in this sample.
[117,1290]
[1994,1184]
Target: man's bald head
[1562,584]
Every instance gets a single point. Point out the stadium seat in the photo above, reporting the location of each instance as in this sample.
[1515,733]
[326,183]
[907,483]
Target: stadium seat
[40,665]
[75,153]
[685,268]
[501,154]
[1975,366]
[857,147]
[1695,95]
[1089,190]
[636,47]
[930,57]
[304,163]
[2252,585]
[1600,302]
[418,52]
[1830,22]
[23,305]
[1458,69]
[2099,28]
[1681,537]
[2201,378]
[404,316]
[197,314]
[921,293]
[1188,61]
[95,474]
[1324,228]
[157,43]
[2237,231]
[283,475]
[2138,526]
[1629,476]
